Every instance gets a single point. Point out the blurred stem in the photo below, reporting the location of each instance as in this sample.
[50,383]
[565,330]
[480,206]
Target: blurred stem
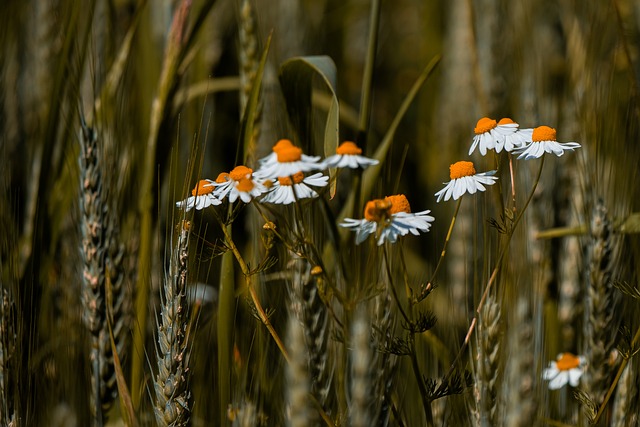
[165,84]
[252,292]
[442,254]
[426,401]
[494,273]
[226,315]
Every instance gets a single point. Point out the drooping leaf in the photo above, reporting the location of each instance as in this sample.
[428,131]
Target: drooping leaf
[296,80]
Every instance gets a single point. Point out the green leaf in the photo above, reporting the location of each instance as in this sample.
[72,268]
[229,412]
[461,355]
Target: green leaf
[296,76]
[245,147]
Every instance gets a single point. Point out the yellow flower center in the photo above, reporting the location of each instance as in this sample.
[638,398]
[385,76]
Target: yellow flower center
[377,210]
[348,148]
[567,361]
[460,169]
[200,188]
[506,121]
[283,143]
[485,124]
[544,133]
[245,185]
[297,179]
[222,177]
[240,172]
[399,203]
[289,154]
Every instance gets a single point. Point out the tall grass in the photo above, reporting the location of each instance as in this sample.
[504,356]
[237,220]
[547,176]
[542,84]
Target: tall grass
[265,314]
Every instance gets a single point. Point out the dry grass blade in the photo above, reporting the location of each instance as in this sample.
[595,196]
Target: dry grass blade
[7,355]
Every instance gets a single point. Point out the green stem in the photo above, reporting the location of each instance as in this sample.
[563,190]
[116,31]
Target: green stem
[226,315]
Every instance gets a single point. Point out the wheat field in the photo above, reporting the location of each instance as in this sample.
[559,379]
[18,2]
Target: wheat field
[310,213]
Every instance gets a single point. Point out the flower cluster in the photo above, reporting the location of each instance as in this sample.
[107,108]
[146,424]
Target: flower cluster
[280,179]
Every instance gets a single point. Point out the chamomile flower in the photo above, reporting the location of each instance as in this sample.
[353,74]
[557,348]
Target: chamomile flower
[388,219]
[201,196]
[514,137]
[282,189]
[567,368]
[286,160]
[464,179]
[238,183]
[348,155]
[486,136]
[544,141]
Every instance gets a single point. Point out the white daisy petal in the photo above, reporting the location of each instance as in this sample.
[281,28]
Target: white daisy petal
[559,380]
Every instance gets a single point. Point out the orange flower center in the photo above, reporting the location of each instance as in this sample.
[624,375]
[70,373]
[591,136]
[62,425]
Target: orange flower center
[240,172]
[200,188]
[485,124]
[289,154]
[245,185]
[567,361]
[506,121]
[377,210]
[544,133]
[348,148]
[399,203]
[222,177]
[460,169]
[297,179]
[283,143]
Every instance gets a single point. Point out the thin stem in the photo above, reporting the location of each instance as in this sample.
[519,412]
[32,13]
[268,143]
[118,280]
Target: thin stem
[513,183]
[494,273]
[446,242]
[254,296]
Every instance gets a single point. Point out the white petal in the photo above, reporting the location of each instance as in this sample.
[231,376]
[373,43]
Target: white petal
[574,376]
[559,380]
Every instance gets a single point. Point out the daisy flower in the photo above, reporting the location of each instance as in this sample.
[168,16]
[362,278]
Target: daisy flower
[464,179]
[514,137]
[348,155]
[238,183]
[282,189]
[544,141]
[201,196]
[567,368]
[389,218]
[286,160]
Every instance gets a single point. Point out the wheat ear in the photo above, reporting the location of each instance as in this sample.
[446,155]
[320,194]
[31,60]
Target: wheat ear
[311,311]
[488,362]
[94,248]
[362,408]
[601,304]
[171,382]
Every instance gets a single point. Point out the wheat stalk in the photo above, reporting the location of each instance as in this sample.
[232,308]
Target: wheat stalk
[625,408]
[297,384]
[362,408]
[385,363]
[171,382]
[522,405]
